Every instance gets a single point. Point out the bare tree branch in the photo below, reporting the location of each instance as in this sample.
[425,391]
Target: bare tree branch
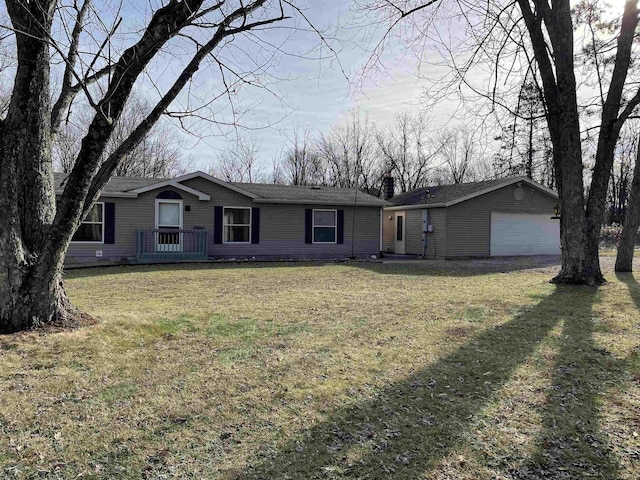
[65,98]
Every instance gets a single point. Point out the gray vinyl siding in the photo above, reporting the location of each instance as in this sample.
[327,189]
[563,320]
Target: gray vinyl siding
[219,195]
[282,234]
[437,240]
[468,224]
[132,214]
[282,227]
[83,253]
[413,232]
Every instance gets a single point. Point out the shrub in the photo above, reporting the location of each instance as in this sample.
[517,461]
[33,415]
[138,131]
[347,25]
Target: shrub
[610,235]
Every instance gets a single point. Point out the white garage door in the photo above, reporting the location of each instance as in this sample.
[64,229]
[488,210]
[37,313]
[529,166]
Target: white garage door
[524,234]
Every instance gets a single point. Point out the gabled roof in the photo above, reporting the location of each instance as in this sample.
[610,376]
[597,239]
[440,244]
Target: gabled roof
[115,185]
[175,182]
[448,195]
[131,187]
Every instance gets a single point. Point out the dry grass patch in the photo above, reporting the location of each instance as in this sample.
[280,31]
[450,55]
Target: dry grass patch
[454,370]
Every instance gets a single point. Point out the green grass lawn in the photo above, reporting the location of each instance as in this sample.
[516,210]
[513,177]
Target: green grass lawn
[613,251]
[452,370]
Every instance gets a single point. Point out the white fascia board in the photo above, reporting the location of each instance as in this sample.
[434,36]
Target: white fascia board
[175,182]
[493,188]
[172,183]
[217,181]
[542,188]
[201,196]
[506,183]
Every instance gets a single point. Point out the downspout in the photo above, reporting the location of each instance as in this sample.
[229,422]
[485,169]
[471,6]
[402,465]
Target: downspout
[353,225]
[381,229]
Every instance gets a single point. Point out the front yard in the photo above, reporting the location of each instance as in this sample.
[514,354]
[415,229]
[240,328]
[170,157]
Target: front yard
[451,370]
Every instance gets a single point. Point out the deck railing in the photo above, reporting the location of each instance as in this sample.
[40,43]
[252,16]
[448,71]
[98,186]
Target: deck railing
[170,244]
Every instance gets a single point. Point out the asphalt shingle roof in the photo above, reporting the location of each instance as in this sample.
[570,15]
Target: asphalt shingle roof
[315,194]
[445,193]
[115,184]
[266,191]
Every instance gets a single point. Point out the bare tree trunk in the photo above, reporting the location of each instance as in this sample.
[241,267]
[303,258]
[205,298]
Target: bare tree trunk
[624,258]
[576,267]
[580,260]
[32,294]
[31,289]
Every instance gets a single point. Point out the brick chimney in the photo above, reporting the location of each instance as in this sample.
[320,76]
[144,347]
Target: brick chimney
[388,186]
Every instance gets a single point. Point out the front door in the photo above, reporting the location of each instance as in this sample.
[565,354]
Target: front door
[168,217]
[400,233]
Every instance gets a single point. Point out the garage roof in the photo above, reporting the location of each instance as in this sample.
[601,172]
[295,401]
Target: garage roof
[447,195]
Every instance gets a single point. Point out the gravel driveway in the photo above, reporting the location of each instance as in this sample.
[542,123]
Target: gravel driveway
[548,264]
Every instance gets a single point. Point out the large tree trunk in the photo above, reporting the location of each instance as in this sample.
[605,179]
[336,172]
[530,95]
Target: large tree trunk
[624,258]
[559,86]
[580,222]
[32,295]
[613,118]
[31,290]
[578,267]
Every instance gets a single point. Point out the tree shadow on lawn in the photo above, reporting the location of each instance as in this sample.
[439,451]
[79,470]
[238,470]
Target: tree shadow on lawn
[632,284]
[571,444]
[100,270]
[453,268]
[405,429]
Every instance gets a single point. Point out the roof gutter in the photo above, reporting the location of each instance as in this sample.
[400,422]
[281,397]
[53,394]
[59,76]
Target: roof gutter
[108,194]
[416,207]
[314,202]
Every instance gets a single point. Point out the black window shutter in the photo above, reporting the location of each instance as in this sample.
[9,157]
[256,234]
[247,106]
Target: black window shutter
[308,226]
[217,224]
[109,222]
[255,225]
[340,227]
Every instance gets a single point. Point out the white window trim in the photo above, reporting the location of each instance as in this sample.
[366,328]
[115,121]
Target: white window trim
[225,225]
[89,242]
[162,200]
[334,226]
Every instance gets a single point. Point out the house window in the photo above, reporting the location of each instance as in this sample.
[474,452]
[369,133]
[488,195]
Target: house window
[237,225]
[324,226]
[91,229]
[399,228]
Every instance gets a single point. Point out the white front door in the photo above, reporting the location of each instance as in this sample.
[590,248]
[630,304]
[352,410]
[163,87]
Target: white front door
[400,233]
[168,217]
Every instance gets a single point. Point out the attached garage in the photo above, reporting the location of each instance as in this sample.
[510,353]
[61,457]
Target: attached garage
[507,216]
[524,234]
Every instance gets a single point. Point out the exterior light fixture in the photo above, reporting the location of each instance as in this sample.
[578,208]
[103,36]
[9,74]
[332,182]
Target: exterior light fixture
[556,212]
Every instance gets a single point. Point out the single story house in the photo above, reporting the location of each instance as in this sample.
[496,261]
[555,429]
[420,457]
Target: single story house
[509,216]
[200,217]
